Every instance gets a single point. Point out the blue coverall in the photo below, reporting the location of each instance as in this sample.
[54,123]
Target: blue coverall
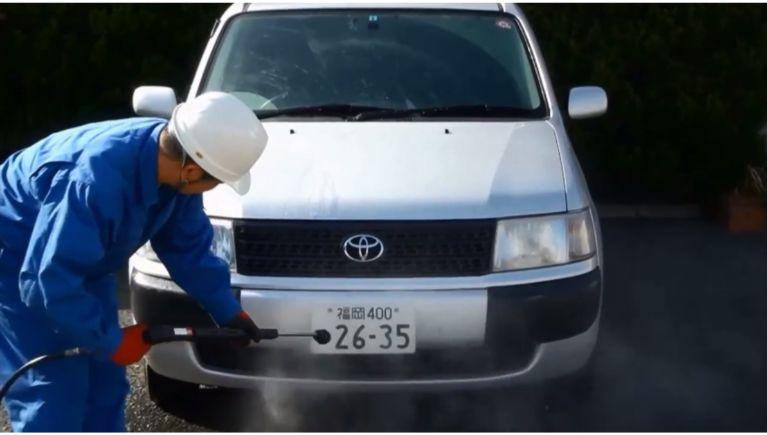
[73,208]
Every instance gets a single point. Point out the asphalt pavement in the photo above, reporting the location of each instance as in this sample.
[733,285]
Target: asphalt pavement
[682,347]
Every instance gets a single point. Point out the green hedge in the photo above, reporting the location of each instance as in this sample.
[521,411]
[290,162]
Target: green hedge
[63,65]
[686,82]
[687,86]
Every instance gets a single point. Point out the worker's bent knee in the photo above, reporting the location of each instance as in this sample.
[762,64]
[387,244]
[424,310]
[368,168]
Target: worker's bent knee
[108,390]
[108,382]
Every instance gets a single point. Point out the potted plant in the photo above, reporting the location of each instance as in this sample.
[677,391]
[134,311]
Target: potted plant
[744,208]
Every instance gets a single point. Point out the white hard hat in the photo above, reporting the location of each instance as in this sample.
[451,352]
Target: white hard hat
[222,135]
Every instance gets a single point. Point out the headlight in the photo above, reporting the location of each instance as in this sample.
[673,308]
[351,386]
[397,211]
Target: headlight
[543,241]
[223,241]
[222,245]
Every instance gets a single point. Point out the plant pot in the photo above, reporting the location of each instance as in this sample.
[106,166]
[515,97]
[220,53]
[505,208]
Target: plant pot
[744,214]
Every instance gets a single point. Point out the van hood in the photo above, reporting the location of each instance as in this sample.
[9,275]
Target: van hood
[400,170]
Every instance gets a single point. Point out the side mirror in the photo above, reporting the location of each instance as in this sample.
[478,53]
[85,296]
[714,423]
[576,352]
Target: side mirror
[156,101]
[587,102]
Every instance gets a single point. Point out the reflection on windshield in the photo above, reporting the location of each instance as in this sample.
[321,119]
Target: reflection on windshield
[390,60]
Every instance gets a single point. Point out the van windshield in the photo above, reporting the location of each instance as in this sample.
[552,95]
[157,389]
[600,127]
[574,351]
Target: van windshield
[343,63]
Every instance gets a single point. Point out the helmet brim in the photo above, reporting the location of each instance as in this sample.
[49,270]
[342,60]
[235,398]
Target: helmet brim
[241,186]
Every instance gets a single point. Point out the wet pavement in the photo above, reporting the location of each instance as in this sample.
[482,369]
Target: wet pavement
[682,346]
[683,343]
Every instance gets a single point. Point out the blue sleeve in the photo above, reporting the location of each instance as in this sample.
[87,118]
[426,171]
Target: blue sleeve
[183,245]
[68,240]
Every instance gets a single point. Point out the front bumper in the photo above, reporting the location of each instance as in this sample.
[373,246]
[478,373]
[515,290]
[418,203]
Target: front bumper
[530,332]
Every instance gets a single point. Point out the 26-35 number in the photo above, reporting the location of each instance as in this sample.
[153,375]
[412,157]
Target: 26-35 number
[400,332]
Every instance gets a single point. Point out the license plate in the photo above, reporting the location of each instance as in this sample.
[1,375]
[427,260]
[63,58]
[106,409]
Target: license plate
[365,329]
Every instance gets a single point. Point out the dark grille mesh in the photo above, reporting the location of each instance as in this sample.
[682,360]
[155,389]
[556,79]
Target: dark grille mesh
[411,248]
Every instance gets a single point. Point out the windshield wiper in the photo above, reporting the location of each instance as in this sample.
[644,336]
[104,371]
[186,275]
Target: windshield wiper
[470,110]
[334,110]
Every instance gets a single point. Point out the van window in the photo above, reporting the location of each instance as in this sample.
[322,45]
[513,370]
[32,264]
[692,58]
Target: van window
[384,59]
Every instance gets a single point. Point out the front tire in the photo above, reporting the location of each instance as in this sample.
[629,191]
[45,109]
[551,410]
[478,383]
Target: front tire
[219,408]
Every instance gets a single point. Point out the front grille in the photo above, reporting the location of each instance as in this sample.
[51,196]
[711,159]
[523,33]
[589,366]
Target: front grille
[411,248]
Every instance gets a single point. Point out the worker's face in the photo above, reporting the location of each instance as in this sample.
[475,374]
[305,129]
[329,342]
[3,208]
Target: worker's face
[197,180]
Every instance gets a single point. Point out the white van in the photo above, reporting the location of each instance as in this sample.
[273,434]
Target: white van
[419,199]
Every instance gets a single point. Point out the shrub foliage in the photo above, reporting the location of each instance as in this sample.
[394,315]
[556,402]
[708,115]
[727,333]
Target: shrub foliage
[687,86]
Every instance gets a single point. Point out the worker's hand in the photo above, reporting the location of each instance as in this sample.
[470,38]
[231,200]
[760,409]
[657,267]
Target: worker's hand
[133,346]
[243,322]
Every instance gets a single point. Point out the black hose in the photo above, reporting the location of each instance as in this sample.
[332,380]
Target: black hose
[162,334]
[35,362]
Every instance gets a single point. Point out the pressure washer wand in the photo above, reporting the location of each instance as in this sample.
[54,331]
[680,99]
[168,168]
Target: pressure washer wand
[303,335]
[166,334]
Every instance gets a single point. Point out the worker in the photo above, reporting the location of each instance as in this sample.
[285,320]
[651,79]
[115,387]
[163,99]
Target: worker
[73,208]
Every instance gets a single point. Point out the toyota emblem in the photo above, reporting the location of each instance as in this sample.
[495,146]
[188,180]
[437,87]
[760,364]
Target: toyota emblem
[363,248]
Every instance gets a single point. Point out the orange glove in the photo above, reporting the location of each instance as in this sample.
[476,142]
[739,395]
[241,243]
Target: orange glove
[133,347]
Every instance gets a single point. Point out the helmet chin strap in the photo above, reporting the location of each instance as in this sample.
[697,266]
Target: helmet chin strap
[181,182]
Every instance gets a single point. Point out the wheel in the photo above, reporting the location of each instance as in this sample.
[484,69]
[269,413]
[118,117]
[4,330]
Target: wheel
[219,408]
[169,394]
